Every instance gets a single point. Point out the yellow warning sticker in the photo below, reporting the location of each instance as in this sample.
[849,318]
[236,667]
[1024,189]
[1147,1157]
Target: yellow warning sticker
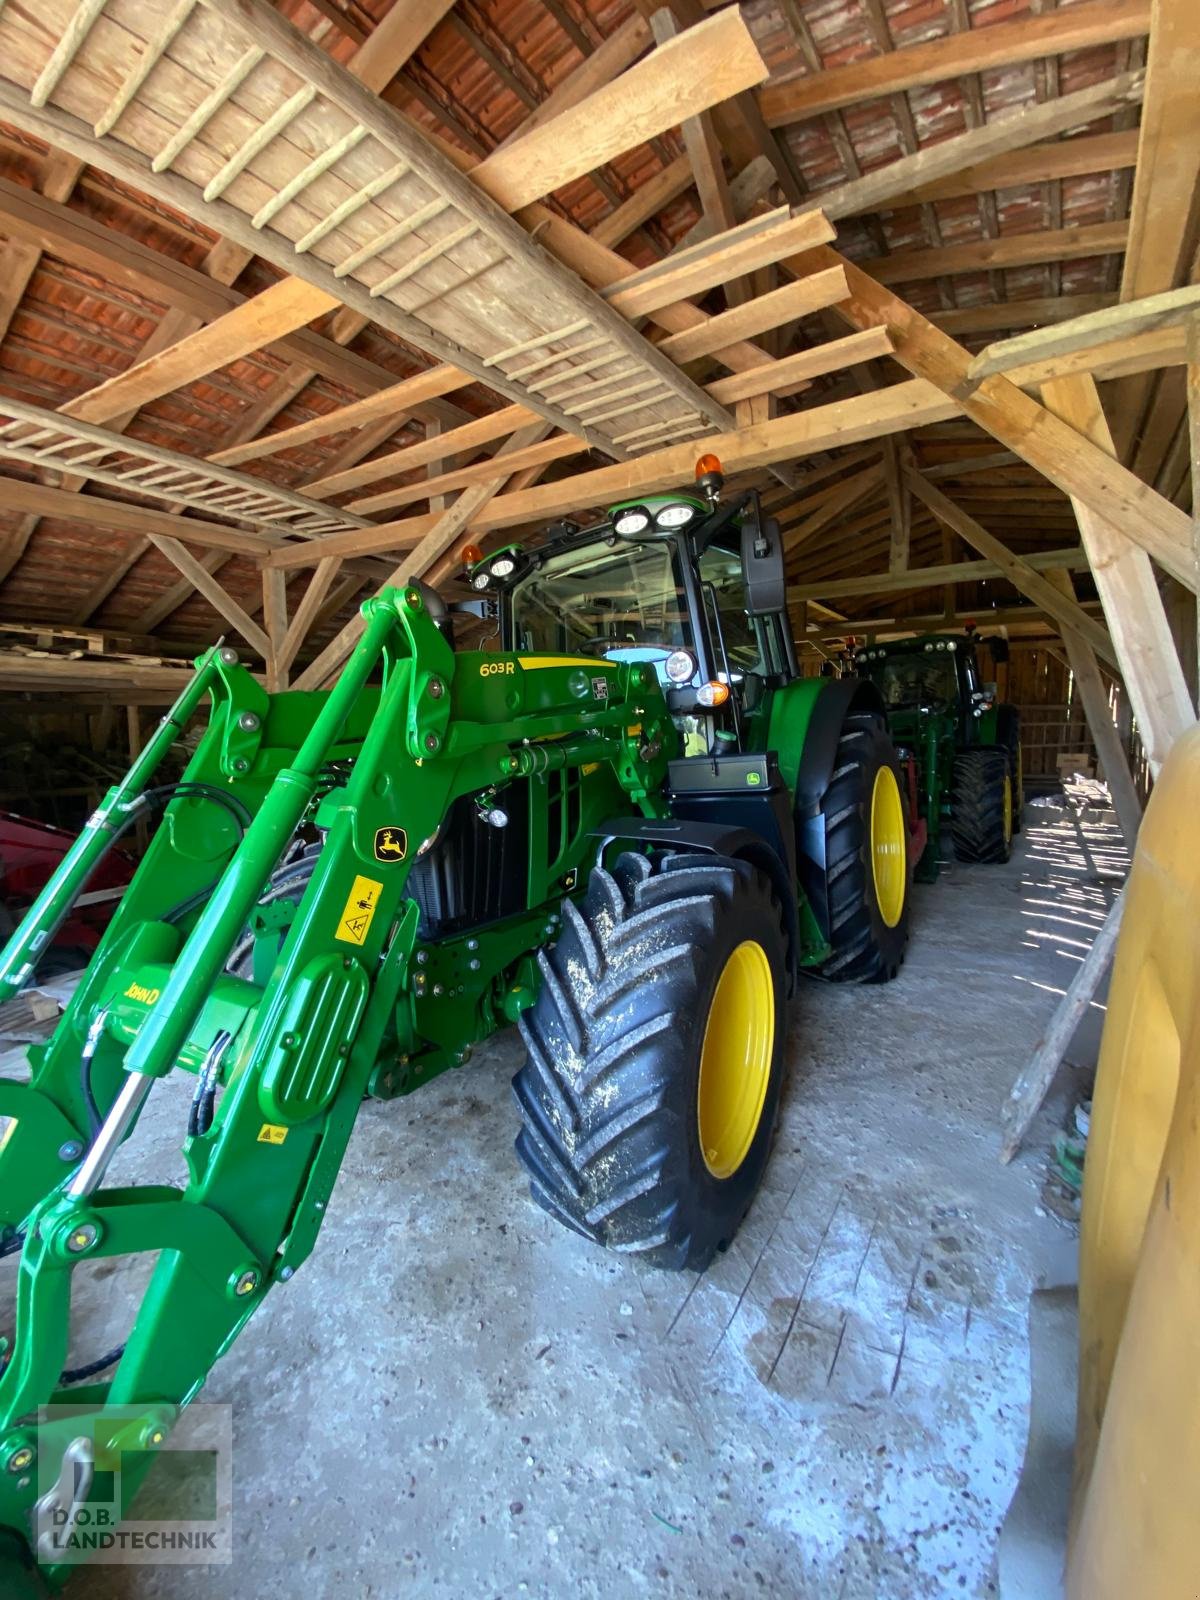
[271,1133]
[355,921]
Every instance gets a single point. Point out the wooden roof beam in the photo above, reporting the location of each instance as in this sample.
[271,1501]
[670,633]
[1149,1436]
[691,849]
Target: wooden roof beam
[256,323]
[1019,572]
[1027,38]
[1010,250]
[1063,158]
[1018,421]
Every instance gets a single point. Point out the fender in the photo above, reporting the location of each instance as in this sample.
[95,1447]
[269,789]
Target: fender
[718,839]
[817,735]
[841,696]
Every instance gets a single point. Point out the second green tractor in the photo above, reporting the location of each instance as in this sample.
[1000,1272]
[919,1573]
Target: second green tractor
[961,745]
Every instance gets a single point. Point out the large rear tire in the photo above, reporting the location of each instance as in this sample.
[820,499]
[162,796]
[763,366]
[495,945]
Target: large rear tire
[650,1090]
[981,805]
[866,855]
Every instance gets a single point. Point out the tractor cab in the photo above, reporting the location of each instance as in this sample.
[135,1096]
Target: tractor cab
[686,583]
[935,674]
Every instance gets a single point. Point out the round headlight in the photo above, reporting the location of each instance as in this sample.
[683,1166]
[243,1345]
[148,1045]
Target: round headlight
[674,516]
[680,666]
[502,566]
[951,645]
[941,644]
[635,520]
[929,647]
[480,580]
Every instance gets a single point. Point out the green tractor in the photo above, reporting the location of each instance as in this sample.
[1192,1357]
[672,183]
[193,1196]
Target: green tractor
[963,747]
[630,829]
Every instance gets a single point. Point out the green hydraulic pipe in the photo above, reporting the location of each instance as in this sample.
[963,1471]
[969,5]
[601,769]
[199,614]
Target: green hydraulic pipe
[203,956]
[47,913]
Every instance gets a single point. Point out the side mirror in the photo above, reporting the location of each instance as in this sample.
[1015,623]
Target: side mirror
[998,647]
[762,566]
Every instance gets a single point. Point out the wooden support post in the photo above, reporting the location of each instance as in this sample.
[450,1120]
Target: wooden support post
[133,723]
[1125,580]
[1035,1078]
[706,158]
[1193,405]
[274,584]
[900,503]
[1093,692]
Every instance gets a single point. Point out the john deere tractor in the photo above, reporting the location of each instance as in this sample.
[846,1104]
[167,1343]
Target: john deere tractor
[963,747]
[630,829]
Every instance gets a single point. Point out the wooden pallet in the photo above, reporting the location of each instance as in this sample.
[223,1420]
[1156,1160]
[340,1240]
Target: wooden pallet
[223,108]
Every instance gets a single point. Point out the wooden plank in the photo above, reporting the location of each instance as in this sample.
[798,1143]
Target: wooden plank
[1093,692]
[391,42]
[890,186]
[1034,1080]
[277,311]
[1031,313]
[445,529]
[43,501]
[704,153]
[1063,158]
[275,620]
[645,202]
[657,287]
[1164,222]
[836,504]
[494,426]
[392,403]
[900,506]
[1019,572]
[1011,250]
[553,449]
[679,79]
[913,578]
[611,56]
[310,604]
[771,310]
[796,370]
[1027,38]
[1121,321]
[85,242]
[222,602]
[1042,439]
[1125,581]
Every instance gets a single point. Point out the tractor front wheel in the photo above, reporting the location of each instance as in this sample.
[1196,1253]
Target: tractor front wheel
[655,1056]
[981,805]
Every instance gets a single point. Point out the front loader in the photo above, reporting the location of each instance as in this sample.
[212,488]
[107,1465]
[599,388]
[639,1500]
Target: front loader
[630,829]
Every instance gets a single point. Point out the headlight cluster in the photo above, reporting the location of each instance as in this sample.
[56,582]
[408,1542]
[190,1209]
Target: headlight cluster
[943,644]
[870,655]
[680,666]
[638,519]
[500,567]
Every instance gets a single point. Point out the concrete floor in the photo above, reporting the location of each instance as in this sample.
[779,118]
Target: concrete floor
[457,1397]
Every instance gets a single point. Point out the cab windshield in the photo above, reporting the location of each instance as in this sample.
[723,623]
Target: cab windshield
[621,600]
[916,680]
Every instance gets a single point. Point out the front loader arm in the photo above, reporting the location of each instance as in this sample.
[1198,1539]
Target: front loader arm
[290,1050]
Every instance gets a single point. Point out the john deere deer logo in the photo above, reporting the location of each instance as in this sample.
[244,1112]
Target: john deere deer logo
[391,844]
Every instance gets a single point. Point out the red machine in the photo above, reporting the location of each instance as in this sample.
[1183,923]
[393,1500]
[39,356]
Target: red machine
[29,853]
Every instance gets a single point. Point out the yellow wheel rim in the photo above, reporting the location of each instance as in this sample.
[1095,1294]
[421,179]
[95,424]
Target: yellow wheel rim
[1008,814]
[735,1059]
[889,846]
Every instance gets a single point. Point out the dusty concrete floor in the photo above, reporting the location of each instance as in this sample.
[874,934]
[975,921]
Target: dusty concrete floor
[456,1397]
